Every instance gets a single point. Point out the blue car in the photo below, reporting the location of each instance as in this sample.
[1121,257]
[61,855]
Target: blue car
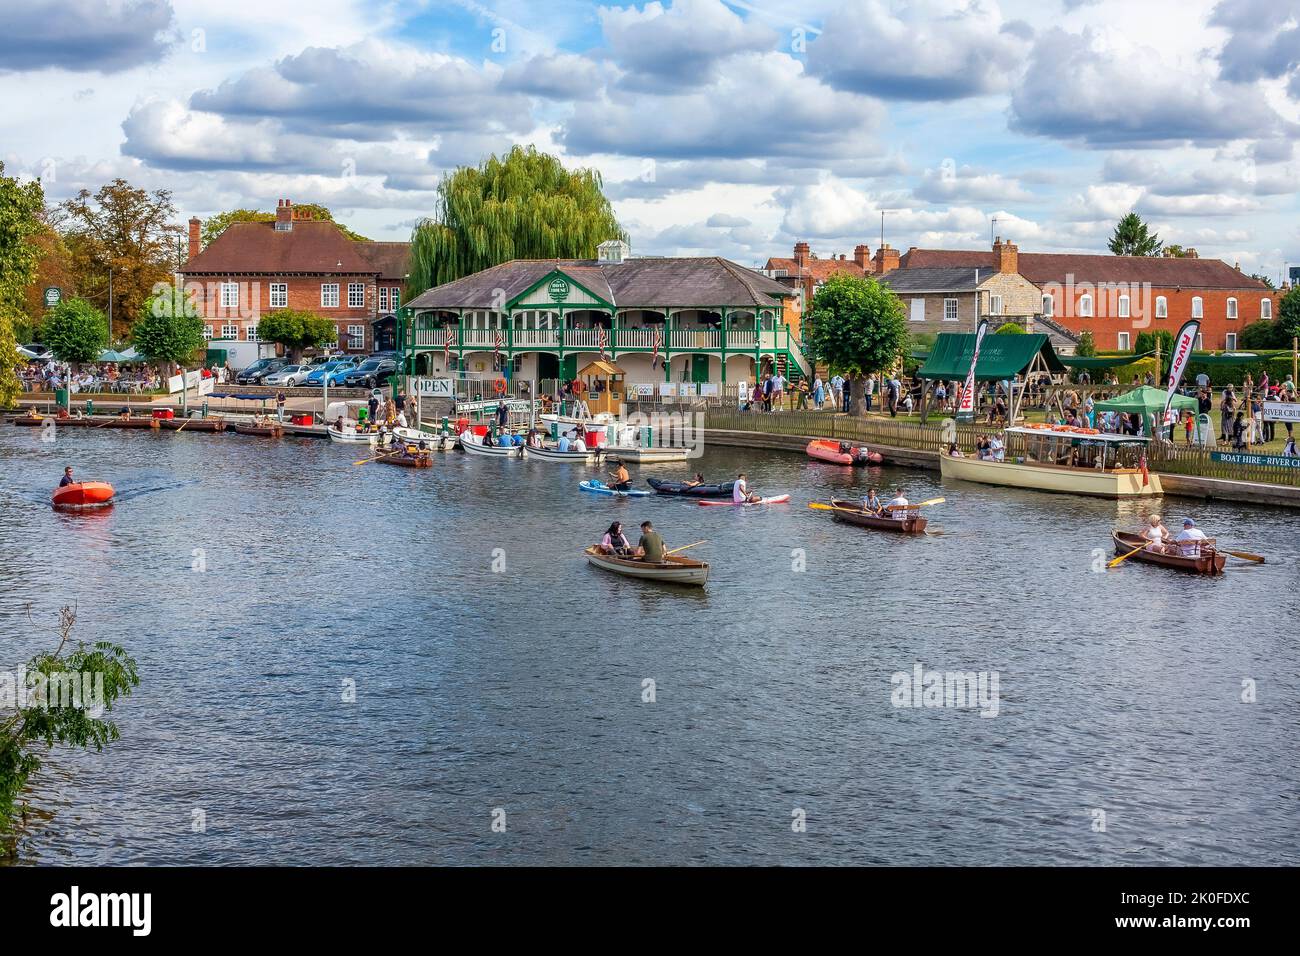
[339,366]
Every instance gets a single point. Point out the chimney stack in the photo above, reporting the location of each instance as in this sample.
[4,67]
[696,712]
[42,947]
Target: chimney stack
[194,236]
[800,253]
[1006,257]
[886,259]
[284,216]
[862,256]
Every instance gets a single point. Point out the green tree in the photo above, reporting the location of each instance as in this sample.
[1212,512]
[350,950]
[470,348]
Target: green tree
[1010,328]
[523,206]
[1087,346]
[214,226]
[169,329]
[858,326]
[21,206]
[1133,238]
[296,330]
[1288,314]
[1174,251]
[1264,334]
[55,713]
[127,230]
[1264,279]
[75,331]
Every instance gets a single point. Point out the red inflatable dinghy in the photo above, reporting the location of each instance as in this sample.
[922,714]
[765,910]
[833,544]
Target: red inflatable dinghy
[84,494]
[842,453]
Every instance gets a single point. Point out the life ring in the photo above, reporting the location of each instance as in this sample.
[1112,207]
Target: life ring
[499,386]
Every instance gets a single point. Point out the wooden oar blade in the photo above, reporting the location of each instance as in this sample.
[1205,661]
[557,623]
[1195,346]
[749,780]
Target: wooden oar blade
[1246,556]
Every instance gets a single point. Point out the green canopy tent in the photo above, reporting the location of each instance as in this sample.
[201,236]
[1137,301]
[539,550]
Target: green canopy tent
[1009,358]
[1147,402]
[108,355]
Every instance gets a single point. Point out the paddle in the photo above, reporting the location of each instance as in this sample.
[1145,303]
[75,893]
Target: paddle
[919,504]
[1121,560]
[1246,556]
[685,546]
[376,458]
[183,424]
[825,507]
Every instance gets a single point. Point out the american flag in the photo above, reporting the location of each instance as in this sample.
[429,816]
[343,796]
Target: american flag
[446,348]
[497,354]
[600,340]
[659,343]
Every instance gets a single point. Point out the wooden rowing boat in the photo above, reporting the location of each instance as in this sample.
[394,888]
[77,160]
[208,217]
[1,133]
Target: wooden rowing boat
[193,424]
[850,513]
[264,431]
[674,569]
[1209,561]
[424,460]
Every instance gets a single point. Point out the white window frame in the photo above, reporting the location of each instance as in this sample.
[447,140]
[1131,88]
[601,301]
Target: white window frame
[916,310]
[230,332]
[207,332]
[1232,307]
[383,298]
[1266,308]
[394,298]
[356,336]
[1049,306]
[329,295]
[229,295]
[1124,342]
[279,295]
[1125,307]
[250,333]
[1230,342]
[1162,307]
[1200,342]
[1198,307]
[955,306]
[995,304]
[356,295]
[1085,306]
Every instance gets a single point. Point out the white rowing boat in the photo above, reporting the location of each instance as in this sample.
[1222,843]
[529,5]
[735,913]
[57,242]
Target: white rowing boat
[674,569]
[552,453]
[350,436]
[436,441]
[473,444]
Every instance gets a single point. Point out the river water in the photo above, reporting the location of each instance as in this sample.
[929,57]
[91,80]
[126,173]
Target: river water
[500,680]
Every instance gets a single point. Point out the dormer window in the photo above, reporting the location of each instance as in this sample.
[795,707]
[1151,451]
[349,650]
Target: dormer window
[613,252]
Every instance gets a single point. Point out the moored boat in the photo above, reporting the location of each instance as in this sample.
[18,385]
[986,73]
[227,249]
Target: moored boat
[350,436]
[471,441]
[434,441]
[265,431]
[1206,559]
[850,513]
[82,495]
[193,424]
[842,453]
[665,487]
[551,453]
[674,569]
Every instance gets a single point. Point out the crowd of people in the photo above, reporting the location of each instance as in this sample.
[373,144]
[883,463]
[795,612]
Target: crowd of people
[99,377]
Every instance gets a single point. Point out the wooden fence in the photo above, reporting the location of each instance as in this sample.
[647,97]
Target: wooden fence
[1196,461]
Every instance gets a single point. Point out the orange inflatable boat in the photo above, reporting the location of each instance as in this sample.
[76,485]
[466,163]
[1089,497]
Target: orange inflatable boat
[842,453]
[83,494]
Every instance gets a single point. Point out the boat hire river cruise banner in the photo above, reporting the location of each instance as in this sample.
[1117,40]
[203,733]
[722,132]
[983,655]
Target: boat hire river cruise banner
[966,410]
[1184,341]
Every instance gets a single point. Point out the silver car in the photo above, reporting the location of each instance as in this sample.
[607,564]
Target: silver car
[291,375]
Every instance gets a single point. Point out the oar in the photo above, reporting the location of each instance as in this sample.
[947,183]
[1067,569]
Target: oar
[685,546]
[825,507]
[183,424]
[1246,556]
[1121,560]
[376,458]
[919,504]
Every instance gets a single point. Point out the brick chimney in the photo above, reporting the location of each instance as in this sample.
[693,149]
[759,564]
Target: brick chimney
[284,216]
[194,236]
[1191,253]
[1006,257]
[886,259]
[801,254]
[862,256]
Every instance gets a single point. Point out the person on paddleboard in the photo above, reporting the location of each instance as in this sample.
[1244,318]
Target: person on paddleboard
[621,480]
[67,478]
[740,493]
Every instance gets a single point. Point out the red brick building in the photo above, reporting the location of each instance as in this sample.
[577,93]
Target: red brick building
[296,262]
[1118,297]
[805,272]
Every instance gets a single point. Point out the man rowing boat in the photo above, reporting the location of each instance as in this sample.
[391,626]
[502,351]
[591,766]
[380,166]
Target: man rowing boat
[871,503]
[897,506]
[651,546]
[1190,540]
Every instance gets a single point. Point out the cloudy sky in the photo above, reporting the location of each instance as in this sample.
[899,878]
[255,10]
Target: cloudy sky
[730,127]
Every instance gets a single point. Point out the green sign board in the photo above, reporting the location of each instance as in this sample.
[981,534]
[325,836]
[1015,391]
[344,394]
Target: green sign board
[1271,461]
[53,294]
[558,289]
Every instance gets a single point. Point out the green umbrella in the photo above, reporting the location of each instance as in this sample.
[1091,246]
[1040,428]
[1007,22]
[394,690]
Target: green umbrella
[108,355]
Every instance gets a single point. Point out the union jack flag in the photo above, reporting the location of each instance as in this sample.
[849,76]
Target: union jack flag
[446,348]
[659,343]
[496,358]
[600,340]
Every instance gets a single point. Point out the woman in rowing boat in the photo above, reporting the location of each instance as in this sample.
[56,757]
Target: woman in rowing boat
[871,503]
[1156,534]
[615,541]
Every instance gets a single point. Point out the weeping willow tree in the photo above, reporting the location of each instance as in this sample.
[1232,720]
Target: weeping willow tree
[523,206]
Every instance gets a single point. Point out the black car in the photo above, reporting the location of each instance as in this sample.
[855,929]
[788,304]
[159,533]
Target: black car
[370,373]
[258,371]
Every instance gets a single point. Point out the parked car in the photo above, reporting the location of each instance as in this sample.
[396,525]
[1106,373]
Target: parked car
[370,373]
[316,377]
[256,373]
[291,375]
[37,350]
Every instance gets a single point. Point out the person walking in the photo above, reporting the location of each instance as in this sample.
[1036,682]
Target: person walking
[819,393]
[280,400]
[837,389]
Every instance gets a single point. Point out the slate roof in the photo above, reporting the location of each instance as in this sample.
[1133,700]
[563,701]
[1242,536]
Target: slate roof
[392,260]
[311,246]
[650,283]
[1042,267]
[954,279]
[817,269]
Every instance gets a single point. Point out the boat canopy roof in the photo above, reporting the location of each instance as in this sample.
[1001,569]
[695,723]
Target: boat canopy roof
[1073,434]
[1001,356]
[1103,361]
